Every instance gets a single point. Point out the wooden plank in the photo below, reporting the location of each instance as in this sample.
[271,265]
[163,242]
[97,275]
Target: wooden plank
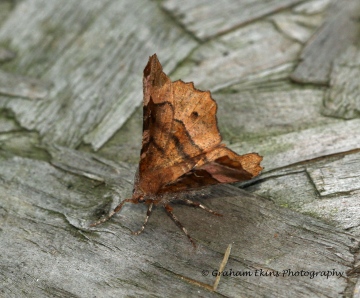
[6,54]
[206,19]
[297,26]
[326,188]
[312,7]
[294,147]
[7,125]
[5,9]
[340,30]
[46,212]
[343,97]
[21,86]
[50,194]
[244,115]
[253,51]
[339,176]
[16,142]
[86,49]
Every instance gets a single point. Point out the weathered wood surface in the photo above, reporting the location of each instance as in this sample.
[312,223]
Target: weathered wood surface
[206,19]
[70,134]
[342,98]
[340,31]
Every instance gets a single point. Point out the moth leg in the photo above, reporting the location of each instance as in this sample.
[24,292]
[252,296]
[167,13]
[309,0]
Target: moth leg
[148,213]
[111,214]
[169,212]
[198,205]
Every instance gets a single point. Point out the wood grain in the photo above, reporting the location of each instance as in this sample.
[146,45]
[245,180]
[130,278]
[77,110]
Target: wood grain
[83,60]
[90,70]
[340,30]
[195,15]
[59,242]
[343,97]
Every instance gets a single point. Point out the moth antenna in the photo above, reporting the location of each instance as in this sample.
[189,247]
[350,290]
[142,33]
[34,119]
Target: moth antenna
[168,210]
[199,205]
[111,214]
[148,213]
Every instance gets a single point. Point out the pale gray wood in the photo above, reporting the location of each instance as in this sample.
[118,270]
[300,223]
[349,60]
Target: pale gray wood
[293,147]
[284,109]
[22,143]
[340,30]
[83,164]
[205,19]
[238,56]
[357,289]
[339,176]
[312,7]
[343,97]
[7,125]
[6,55]
[299,27]
[5,9]
[327,188]
[48,210]
[20,86]
[93,52]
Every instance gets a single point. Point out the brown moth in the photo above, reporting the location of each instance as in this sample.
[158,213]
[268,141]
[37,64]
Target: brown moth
[181,146]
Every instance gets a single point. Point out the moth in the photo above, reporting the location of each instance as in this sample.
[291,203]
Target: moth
[181,147]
